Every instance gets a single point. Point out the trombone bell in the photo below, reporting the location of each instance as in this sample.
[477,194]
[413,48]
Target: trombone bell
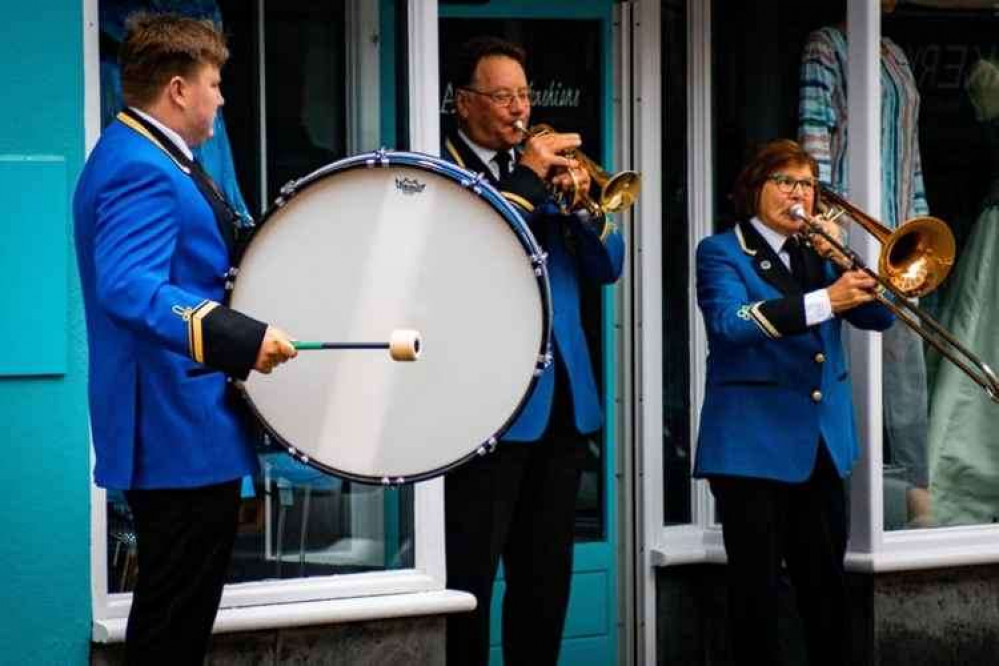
[915,258]
[918,256]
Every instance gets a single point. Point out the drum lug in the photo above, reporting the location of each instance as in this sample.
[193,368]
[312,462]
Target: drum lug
[475,184]
[539,260]
[488,447]
[298,455]
[544,361]
[288,190]
[379,158]
[398,481]
[230,278]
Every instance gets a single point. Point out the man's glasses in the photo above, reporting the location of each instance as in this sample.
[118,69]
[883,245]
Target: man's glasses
[504,97]
[786,184]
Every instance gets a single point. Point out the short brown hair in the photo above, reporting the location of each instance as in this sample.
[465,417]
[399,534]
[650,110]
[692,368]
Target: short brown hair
[478,48]
[158,47]
[768,159]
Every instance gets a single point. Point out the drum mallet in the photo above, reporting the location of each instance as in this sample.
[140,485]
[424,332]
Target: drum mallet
[403,345]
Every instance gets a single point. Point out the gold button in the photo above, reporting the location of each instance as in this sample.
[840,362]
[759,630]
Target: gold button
[820,358]
[816,396]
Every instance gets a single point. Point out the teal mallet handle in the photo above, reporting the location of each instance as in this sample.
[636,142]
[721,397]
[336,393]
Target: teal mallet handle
[404,345]
[306,345]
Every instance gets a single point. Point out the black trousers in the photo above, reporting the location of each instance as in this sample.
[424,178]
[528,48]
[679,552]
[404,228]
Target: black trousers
[517,503]
[184,539]
[804,526]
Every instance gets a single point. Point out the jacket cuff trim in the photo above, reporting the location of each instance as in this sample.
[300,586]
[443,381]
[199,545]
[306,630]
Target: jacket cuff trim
[757,317]
[197,335]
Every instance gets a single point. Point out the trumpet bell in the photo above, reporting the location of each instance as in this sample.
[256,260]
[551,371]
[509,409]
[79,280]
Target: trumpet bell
[918,256]
[620,191]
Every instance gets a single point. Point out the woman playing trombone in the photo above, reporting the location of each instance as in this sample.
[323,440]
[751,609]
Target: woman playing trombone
[777,434]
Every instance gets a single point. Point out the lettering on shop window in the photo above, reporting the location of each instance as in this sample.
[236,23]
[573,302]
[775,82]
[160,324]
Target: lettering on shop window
[554,94]
[945,67]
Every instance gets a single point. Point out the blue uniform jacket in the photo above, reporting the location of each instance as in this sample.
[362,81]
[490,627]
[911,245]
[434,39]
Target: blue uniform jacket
[152,261]
[577,247]
[774,386]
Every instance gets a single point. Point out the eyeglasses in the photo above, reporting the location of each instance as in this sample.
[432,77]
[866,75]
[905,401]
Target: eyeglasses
[504,97]
[786,184]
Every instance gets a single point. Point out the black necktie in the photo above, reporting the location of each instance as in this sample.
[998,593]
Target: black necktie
[502,159]
[225,215]
[796,259]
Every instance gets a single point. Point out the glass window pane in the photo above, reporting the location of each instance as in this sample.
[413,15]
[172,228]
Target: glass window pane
[940,462]
[294,521]
[676,288]
[305,47]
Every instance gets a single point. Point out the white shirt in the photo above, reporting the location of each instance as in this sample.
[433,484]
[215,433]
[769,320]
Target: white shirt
[170,134]
[486,154]
[818,308]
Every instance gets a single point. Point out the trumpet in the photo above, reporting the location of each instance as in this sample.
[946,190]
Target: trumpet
[914,260]
[618,191]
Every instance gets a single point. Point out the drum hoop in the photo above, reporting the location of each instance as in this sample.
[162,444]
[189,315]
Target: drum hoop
[477,184]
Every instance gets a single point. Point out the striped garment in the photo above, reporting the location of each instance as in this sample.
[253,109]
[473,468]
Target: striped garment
[822,116]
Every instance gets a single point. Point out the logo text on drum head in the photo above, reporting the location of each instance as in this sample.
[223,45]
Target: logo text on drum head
[409,185]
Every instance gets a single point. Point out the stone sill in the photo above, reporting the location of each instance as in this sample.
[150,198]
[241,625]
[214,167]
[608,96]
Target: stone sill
[282,616]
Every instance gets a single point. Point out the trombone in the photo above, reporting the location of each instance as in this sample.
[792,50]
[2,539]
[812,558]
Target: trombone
[914,260]
[618,191]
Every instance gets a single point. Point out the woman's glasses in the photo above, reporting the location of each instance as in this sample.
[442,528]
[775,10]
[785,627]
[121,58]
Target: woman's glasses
[786,184]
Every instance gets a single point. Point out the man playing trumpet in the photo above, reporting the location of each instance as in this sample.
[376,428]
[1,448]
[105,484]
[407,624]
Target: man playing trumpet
[518,502]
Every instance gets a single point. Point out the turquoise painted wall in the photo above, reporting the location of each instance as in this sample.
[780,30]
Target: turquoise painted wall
[44,524]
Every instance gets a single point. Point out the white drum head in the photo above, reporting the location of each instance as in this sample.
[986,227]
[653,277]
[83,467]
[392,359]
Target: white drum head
[364,251]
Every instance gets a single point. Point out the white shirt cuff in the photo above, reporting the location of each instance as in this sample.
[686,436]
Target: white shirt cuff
[818,308]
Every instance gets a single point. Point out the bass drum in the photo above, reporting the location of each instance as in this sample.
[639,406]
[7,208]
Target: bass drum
[386,241]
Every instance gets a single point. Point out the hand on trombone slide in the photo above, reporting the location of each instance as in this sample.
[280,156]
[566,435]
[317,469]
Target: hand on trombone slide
[826,249]
[853,288]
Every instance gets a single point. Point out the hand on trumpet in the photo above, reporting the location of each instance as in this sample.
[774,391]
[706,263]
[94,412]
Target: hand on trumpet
[572,181]
[853,288]
[544,154]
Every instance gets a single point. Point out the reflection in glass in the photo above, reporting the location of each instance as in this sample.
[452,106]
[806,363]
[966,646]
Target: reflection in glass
[305,81]
[953,56]
[295,522]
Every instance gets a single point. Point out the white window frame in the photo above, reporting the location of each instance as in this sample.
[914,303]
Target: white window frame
[871,548]
[341,598]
